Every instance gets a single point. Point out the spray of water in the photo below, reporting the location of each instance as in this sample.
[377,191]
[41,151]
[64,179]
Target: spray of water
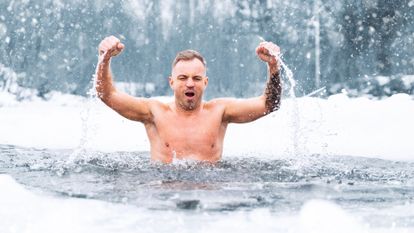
[289,73]
[88,127]
[295,123]
[298,138]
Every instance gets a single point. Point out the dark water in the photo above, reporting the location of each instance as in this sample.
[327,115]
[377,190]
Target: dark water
[233,184]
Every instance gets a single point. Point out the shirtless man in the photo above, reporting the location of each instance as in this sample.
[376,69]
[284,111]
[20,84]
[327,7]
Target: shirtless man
[188,127]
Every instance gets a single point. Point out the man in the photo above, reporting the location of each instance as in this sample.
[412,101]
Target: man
[188,127]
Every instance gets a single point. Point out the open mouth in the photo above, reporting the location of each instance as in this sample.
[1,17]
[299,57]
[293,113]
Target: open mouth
[189,94]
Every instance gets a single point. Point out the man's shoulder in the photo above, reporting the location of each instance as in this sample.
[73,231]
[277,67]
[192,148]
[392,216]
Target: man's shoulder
[159,102]
[215,102]
[219,103]
[222,101]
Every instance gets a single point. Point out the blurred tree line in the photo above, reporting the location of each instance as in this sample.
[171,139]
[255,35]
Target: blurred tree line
[52,44]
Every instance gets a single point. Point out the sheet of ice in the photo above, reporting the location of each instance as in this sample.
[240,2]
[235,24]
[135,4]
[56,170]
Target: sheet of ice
[335,126]
[32,211]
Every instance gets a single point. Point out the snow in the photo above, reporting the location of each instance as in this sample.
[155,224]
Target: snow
[338,125]
[3,30]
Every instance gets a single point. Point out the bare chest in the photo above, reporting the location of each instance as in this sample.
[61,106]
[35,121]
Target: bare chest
[189,131]
[196,135]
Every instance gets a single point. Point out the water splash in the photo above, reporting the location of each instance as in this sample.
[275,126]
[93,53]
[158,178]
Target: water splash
[92,93]
[289,73]
[88,124]
[295,123]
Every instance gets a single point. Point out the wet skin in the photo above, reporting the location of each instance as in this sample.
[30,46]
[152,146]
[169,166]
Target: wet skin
[188,127]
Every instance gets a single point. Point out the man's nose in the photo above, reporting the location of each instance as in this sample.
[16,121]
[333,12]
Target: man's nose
[190,82]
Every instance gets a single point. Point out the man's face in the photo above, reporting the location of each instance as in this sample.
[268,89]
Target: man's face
[188,81]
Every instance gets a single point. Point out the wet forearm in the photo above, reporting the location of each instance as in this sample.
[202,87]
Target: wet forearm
[273,89]
[104,85]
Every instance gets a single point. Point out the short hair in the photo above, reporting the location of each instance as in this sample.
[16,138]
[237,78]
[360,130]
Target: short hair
[188,55]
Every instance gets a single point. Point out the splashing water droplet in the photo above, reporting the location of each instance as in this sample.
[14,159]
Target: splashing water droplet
[295,110]
[87,121]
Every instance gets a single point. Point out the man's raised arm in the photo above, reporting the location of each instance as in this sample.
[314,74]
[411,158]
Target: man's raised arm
[130,107]
[273,89]
[247,110]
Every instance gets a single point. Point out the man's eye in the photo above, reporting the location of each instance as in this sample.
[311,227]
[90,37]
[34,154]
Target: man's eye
[197,78]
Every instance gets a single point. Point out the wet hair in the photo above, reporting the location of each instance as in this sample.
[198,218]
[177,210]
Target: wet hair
[188,55]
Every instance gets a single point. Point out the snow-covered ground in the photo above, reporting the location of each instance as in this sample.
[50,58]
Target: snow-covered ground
[337,125]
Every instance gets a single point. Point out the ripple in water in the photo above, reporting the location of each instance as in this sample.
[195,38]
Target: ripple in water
[232,184]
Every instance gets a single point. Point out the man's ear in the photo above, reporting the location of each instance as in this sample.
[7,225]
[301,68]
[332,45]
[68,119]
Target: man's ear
[206,81]
[171,81]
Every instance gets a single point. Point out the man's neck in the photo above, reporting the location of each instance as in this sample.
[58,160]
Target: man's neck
[187,112]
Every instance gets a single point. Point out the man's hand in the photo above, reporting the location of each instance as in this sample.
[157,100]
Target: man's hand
[268,52]
[110,47]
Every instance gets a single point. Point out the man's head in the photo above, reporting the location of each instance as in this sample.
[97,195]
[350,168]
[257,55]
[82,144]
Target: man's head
[187,55]
[188,79]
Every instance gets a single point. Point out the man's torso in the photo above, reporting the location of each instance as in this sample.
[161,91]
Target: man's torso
[196,136]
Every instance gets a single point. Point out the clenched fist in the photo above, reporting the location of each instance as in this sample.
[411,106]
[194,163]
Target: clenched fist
[268,52]
[110,47]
